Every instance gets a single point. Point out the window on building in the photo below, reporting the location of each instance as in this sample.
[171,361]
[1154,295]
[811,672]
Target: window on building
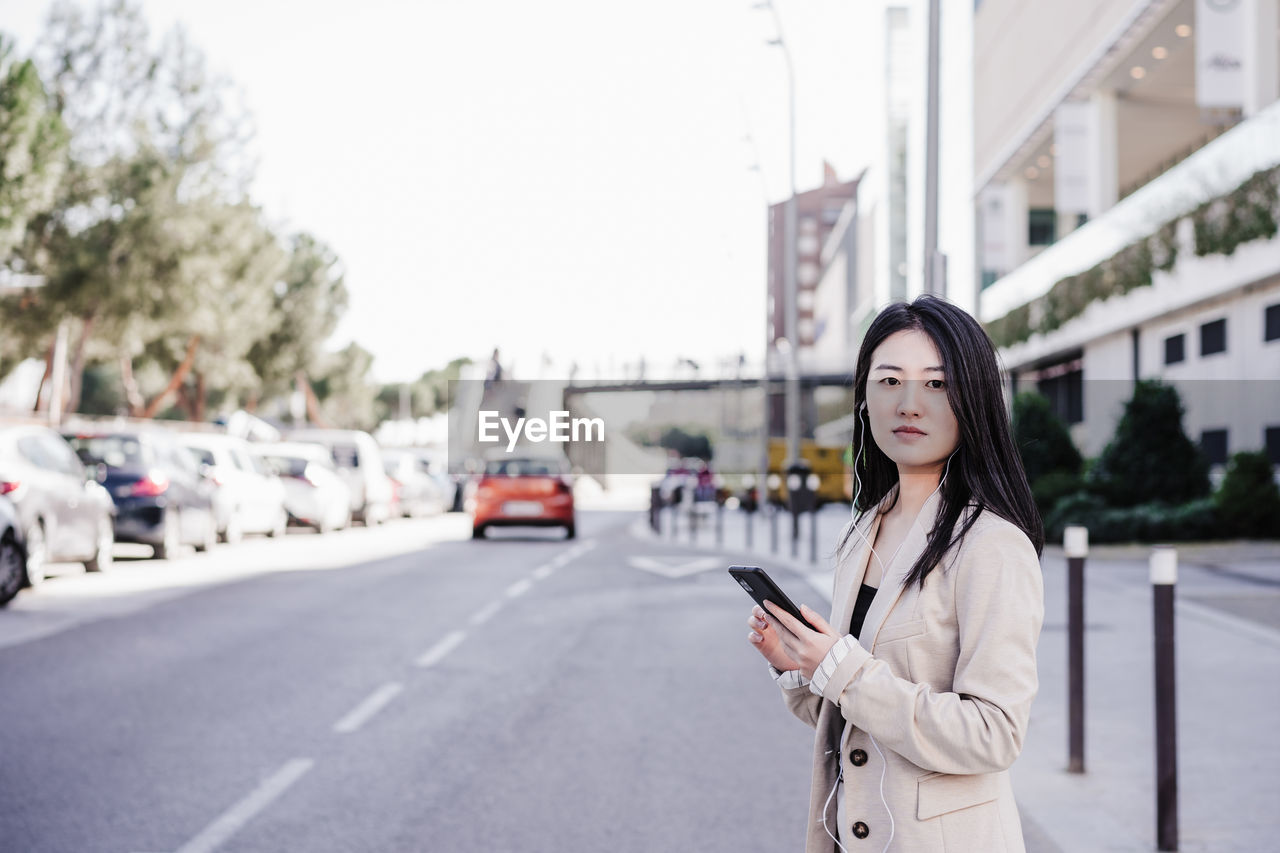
[1043,227]
[1214,444]
[989,277]
[1272,442]
[1213,337]
[1066,395]
[1272,323]
[1175,349]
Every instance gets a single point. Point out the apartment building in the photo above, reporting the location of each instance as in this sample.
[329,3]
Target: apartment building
[1126,172]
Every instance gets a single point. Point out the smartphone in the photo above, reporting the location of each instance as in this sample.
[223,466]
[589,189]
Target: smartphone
[760,586]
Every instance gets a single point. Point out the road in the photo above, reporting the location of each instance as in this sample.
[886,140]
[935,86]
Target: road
[397,689]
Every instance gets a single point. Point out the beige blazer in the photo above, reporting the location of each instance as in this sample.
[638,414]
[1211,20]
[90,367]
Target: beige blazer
[943,681]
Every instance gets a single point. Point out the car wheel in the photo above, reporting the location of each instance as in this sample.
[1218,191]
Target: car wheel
[12,569]
[235,529]
[477,532]
[171,536]
[37,554]
[209,538]
[102,559]
[281,527]
[570,531]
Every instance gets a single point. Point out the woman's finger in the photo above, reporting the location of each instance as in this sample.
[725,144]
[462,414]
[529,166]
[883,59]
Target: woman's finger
[791,623]
[816,620]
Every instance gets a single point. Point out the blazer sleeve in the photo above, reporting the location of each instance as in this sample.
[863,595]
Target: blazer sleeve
[802,702]
[978,726]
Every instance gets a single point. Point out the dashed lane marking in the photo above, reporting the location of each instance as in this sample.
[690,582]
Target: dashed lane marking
[436,653]
[366,710]
[486,613]
[235,818]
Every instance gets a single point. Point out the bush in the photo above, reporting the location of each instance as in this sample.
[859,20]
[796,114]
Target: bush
[1042,438]
[1075,508]
[1053,487]
[1248,501]
[1149,522]
[1150,458]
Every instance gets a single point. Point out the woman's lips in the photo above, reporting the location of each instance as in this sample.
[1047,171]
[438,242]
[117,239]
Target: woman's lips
[908,434]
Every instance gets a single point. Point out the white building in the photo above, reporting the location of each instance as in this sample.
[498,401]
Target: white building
[1106,135]
[875,253]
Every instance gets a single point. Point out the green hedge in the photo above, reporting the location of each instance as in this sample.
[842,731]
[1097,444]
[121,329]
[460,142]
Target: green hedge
[1197,520]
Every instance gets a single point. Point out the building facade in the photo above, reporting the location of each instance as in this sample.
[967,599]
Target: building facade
[1125,186]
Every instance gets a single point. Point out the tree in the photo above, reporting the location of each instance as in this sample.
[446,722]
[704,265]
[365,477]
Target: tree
[686,444]
[307,302]
[151,207]
[1048,455]
[1150,458]
[33,145]
[1248,502]
[346,397]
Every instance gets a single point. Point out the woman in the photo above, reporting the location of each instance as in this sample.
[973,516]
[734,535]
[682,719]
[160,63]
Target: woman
[921,692]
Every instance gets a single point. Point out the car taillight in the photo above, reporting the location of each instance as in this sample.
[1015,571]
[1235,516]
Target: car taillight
[8,487]
[155,483]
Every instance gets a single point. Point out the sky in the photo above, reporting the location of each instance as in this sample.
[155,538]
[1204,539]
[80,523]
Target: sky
[567,180]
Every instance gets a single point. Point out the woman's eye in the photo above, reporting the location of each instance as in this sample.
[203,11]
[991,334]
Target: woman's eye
[889,380]
[940,383]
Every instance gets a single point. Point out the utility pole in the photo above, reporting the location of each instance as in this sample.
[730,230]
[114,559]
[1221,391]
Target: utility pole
[935,263]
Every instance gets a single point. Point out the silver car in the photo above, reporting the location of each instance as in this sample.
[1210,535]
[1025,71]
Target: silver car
[359,462]
[314,493]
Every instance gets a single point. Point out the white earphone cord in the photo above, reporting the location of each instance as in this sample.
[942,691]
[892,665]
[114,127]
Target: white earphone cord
[884,765]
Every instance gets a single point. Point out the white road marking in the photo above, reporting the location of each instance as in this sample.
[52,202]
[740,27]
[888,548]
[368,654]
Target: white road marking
[675,566]
[543,572]
[436,653]
[365,711]
[486,613]
[234,819]
[519,588]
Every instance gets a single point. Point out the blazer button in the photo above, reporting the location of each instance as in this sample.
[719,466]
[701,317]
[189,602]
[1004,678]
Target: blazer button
[858,757]
[861,830]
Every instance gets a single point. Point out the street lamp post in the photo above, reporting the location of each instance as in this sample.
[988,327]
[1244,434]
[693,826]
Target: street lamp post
[790,320]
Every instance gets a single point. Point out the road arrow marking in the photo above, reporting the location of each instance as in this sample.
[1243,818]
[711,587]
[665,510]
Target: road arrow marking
[677,566]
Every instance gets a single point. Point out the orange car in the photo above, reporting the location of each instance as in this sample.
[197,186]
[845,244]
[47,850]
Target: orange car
[522,493]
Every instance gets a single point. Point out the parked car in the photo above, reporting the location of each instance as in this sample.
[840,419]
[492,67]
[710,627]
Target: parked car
[315,495]
[161,498]
[249,497]
[64,514]
[524,492]
[417,492]
[436,464]
[359,461]
[13,555]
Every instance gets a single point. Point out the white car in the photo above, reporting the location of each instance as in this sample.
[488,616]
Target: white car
[250,498]
[359,462]
[314,493]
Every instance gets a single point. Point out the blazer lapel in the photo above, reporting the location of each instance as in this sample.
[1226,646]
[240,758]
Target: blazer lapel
[847,583]
[895,575]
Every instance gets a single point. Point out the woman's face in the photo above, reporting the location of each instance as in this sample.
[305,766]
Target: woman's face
[911,417]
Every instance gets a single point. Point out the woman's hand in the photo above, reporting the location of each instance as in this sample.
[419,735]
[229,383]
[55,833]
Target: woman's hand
[795,641]
[767,643]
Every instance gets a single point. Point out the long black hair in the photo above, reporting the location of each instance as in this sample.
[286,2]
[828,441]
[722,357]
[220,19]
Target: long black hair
[985,468]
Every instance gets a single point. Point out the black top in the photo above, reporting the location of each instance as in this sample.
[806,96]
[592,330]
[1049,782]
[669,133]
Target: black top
[860,608]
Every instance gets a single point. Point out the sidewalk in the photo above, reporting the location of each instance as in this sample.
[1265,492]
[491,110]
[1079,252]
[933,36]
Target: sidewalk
[1228,687]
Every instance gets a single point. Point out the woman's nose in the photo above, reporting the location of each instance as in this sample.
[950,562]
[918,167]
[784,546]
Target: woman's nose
[908,402]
